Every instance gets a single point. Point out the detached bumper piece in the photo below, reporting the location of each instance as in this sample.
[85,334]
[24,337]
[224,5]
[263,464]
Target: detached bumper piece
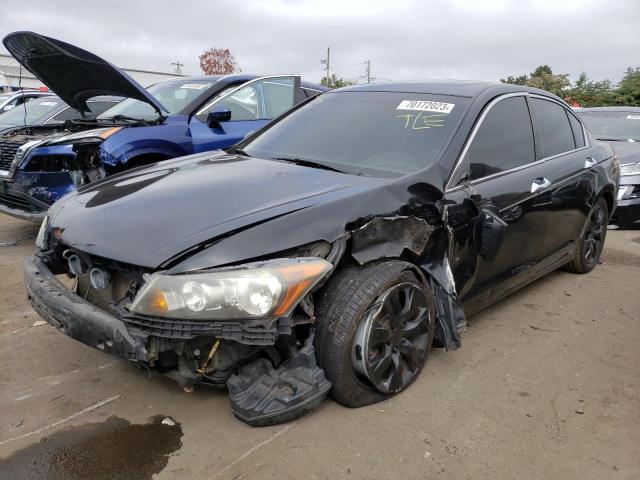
[261,395]
[76,317]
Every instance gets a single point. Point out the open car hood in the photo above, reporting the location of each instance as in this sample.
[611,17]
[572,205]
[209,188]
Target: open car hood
[75,75]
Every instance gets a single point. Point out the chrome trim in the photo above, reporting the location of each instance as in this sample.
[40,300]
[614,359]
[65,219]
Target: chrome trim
[543,185]
[4,173]
[476,127]
[233,90]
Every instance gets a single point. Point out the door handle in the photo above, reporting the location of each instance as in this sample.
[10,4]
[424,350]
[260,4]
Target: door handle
[590,162]
[540,184]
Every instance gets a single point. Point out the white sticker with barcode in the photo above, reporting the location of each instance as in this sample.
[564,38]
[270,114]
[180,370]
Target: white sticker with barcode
[426,106]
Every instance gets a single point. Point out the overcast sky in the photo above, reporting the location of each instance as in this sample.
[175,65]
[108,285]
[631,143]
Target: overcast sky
[404,39]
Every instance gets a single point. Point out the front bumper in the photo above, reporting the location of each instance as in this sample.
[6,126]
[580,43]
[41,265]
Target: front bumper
[76,317]
[628,210]
[20,205]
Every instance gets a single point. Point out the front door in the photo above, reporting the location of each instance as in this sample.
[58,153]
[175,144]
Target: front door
[499,166]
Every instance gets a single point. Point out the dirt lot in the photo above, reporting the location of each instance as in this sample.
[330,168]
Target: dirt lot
[545,386]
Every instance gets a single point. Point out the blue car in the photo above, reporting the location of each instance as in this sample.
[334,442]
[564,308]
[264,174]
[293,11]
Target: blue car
[178,117]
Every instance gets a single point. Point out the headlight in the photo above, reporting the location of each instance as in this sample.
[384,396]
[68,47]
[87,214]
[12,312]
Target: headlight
[633,169]
[21,153]
[41,239]
[265,289]
[95,135]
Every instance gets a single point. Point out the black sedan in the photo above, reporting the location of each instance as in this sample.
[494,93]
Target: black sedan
[620,127]
[331,249]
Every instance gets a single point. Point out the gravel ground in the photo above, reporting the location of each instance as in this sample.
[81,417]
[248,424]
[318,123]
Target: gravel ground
[545,386]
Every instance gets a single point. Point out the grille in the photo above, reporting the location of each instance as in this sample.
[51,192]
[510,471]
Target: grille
[15,202]
[7,152]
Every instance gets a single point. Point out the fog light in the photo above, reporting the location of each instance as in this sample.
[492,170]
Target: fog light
[99,278]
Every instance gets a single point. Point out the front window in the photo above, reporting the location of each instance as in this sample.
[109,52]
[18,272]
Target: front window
[29,112]
[375,133]
[613,126]
[173,95]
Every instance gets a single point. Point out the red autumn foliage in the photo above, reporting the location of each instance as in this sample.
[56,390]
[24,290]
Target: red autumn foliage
[218,61]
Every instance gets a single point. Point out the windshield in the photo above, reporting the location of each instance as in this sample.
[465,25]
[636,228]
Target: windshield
[613,125]
[173,95]
[29,112]
[375,133]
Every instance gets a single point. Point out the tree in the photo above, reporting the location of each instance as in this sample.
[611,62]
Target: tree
[628,91]
[590,93]
[218,61]
[335,82]
[544,78]
[519,80]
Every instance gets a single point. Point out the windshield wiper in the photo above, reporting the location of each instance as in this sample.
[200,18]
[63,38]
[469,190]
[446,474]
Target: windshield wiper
[123,118]
[239,151]
[308,163]
[614,139]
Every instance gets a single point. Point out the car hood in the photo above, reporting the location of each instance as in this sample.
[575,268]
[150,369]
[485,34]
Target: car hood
[73,74]
[148,215]
[628,152]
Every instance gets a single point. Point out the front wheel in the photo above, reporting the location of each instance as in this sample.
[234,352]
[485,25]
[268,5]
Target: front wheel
[374,331]
[590,246]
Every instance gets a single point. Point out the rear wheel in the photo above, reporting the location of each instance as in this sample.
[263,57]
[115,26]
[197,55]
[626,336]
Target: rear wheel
[588,251]
[374,331]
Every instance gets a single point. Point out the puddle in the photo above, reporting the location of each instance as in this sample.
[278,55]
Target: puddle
[113,450]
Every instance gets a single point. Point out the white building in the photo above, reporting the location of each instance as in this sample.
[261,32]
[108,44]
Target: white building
[10,75]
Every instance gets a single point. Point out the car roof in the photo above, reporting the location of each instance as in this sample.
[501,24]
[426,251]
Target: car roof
[608,109]
[461,88]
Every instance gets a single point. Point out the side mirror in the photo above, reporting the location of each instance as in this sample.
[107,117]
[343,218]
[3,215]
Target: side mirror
[6,108]
[488,234]
[217,115]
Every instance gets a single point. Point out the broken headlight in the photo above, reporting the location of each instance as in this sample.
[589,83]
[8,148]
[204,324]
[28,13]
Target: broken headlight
[265,289]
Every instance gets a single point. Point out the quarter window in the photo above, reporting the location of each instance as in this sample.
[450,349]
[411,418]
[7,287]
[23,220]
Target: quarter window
[503,141]
[578,133]
[556,135]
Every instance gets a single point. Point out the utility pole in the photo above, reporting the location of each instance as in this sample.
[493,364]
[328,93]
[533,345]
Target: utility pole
[368,70]
[177,64]
[327,63]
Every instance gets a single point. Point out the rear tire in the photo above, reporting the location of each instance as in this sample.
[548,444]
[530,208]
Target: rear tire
[588,251]
[375,327]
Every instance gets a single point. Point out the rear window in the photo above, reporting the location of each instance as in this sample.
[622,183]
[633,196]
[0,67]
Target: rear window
[374,133]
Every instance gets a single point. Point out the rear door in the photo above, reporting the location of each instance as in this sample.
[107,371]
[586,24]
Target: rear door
[252,104]
[566,168]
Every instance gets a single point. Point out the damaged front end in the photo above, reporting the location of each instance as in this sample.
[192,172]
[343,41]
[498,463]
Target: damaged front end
[42,167]
[248,328]
[234,305]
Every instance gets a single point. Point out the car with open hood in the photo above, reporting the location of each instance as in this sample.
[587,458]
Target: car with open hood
[169,119]
[620,127]
[333,248]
